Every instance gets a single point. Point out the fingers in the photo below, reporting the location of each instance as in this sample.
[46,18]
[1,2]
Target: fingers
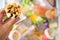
[7,26]
[9,22]
[2,14]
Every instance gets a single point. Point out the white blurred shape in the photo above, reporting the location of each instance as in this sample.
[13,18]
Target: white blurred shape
[2,4]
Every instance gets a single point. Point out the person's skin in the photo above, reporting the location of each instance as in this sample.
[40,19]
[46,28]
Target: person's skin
[6,26]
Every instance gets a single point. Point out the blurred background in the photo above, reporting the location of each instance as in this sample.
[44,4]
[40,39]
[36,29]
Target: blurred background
[51,3]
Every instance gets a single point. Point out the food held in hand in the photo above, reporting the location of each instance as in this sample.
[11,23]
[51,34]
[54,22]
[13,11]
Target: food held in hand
[13,10]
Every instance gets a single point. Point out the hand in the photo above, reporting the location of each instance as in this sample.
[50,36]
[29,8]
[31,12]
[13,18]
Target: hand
[5,26]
